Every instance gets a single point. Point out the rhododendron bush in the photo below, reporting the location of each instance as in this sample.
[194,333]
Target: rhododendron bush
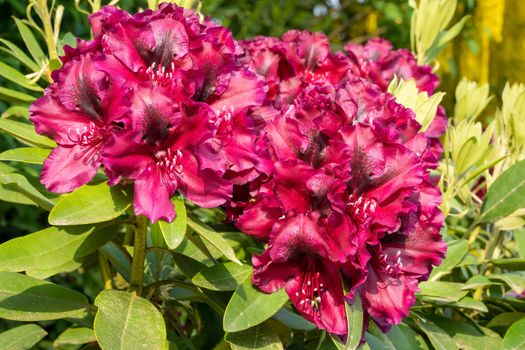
[258,193]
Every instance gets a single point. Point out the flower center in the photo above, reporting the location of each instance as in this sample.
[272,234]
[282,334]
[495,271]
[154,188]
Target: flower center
[89,136]
[223,118]
[169,161]
[311,290]
[361,208]
[160,75]
[314,78]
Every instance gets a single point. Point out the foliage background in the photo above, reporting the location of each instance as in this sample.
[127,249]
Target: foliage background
[490,50]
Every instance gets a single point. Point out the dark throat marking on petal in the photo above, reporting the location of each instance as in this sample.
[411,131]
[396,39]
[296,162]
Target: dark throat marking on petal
[86,98]
[209,83]
[155,125]
[162,54]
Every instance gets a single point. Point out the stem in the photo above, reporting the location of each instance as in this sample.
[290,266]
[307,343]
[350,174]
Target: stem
[105,271]
[139,254]
[48,29]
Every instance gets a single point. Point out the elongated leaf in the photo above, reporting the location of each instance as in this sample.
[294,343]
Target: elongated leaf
[404,337]
[23,298]
[504,320]
[13,96]
[52,247]
[25,155]
[437,336]
[212,237]
[514,281]
[16,77]
[91,204]
[125,321]
[69,266]
[260,337]
[293,320]
[20,55]
[477,281]
[25,133]
[75,336]
[470,303]
[174,232]
[505,195]
[11,194]
[441,291]
[468,337]
[22,337]
[222,277]
[30,41]
[15,111]
[515,337]
[249,307]
[21,184]
[517,264]
[456,250]
[354,321]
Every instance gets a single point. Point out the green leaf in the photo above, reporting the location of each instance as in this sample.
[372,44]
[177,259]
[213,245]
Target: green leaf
[174,232]
[504,320]
[13,96]
[514,281]
[22,337]
[456,250]
[354,321]
[293,320]
[437,336]
[260,337]
[69,266]
[249,307]
[30,41]
[25,155]
[477,281]
[20,55]
[441,291]
[16,111]
[467,336]
[25,133]
[375,343]
[11,194]
[222,277]
[470,303]
[404,337]
[20,183]
[515,337]
[75,336]
[212,237]
[505,195]
[52,247]
[125,321]
[517,264]
[16,77]
[91,204]
[23,298]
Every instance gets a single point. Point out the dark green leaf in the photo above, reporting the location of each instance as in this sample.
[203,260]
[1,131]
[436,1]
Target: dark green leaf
[517,264]
[125,321]
[293,320]
[504,320]
[514,281]
[22,337]
[505,195]
[222,277]
[23,298]
[437,336]
[91,204]
[404,337]
[249,307]
[456,250]
[467,336]
[260,337]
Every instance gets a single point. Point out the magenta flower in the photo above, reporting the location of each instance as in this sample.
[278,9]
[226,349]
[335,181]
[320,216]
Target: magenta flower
[349,197]
[77,112]
[159,150]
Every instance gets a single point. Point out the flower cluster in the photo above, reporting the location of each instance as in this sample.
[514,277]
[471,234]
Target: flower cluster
[304,147]
[157,98]
[348,206]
